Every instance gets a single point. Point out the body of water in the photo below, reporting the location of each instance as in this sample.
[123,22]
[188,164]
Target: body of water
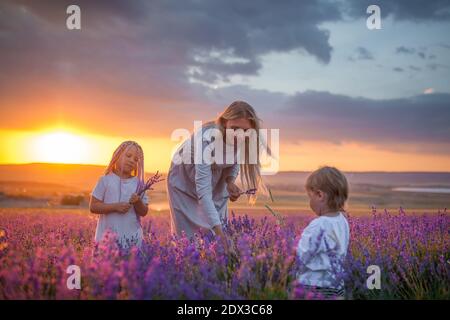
[423,190]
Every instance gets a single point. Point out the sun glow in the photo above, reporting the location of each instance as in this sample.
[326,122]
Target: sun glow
[60,147]
[62,144]
[73,146]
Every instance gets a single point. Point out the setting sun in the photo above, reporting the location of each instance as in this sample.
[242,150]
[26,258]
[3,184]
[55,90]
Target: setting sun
[61,144]
[60,147]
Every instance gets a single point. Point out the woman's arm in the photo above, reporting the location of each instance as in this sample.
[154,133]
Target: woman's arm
[231,174]
[230,179]
[233,190]
[203,180]
[219,233]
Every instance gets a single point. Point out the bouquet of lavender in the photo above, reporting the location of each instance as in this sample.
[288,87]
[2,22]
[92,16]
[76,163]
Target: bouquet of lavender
[148,185]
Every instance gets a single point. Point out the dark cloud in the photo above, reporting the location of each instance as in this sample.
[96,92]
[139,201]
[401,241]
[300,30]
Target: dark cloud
[140,61]
[411,51]
[151,51]
[212,70]
[405,50]
[413,10]
[398,69]
[416,124]
[178,30]
[361,54]
[267,102]
[436,66]
[422,120]
[134,60]
[94,13]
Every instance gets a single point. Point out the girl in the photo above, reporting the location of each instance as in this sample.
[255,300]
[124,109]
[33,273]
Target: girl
[115,197]
[199,192]
[324,242]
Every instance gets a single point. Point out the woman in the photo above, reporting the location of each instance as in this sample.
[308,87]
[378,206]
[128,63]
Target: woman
[199,192]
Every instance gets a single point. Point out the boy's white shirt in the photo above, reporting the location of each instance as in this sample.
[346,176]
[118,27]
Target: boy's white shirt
[317,268]
[126,226]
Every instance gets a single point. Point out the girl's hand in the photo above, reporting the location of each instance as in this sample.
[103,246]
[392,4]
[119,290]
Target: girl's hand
[134,198]
[233,191]
[123,207]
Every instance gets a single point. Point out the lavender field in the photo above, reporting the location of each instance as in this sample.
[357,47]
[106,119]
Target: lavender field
[37,246]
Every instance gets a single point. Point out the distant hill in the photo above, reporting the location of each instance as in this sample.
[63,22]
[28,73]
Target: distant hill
[84,177]
[79,176]
[388,179]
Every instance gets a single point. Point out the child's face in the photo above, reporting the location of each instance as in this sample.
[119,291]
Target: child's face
[317,200]
[128,161]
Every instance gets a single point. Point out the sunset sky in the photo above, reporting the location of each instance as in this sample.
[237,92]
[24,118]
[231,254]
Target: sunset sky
[340,94]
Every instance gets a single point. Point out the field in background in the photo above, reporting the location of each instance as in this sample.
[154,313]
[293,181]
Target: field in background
[68,186]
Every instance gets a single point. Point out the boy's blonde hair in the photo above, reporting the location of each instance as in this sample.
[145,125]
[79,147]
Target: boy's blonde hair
[332,182]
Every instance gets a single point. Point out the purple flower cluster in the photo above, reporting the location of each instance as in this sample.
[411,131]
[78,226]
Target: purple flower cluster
[150,182]
[412,252]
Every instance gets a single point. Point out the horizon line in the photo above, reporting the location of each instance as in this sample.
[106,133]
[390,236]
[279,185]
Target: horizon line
[281,171]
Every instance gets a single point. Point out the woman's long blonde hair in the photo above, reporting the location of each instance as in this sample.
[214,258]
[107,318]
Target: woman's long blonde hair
[250,174]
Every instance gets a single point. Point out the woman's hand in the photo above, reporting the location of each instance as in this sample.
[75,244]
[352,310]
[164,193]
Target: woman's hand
[122,207]
[219,233]
[233,191]
[222,237]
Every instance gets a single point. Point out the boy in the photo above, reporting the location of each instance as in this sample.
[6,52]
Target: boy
[324,242]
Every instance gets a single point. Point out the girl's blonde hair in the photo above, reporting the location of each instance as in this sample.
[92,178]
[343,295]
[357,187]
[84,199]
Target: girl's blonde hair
[332,182]
[250,174]
[122,149]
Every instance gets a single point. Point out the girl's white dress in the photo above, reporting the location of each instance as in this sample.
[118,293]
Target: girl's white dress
[127,227]
[322,249]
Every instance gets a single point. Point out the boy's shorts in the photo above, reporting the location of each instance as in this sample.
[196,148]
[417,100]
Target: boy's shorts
[313,292]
